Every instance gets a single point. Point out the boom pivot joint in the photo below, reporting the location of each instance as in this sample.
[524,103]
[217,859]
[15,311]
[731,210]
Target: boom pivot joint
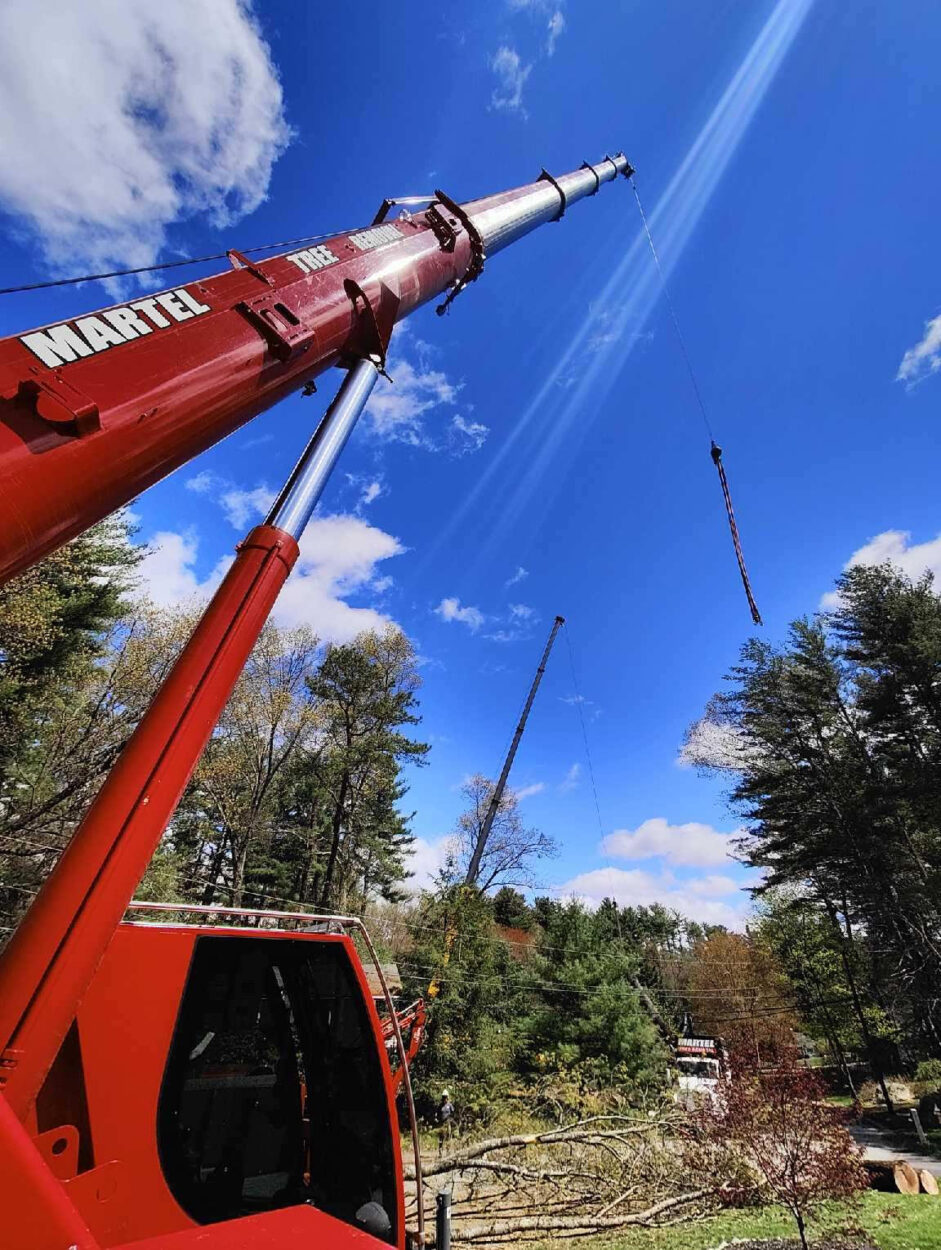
[478,257]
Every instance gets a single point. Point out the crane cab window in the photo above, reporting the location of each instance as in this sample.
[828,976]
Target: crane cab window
[273,1093]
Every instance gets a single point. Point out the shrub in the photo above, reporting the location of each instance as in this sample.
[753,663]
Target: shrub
[929,1072]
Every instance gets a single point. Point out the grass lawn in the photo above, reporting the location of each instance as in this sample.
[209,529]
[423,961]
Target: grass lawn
[893,1221]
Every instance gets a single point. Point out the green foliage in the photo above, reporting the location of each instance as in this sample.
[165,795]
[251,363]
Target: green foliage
[835,748]
[53,618]
[473,1038]
[929,1072]
[590,1013]
[511,909]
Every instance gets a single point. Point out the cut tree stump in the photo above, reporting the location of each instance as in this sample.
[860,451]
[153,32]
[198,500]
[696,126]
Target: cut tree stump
[929,1182]
[906,1178]
[892,1177]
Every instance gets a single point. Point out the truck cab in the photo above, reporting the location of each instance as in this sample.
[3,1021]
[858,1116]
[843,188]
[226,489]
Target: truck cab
[700,1067]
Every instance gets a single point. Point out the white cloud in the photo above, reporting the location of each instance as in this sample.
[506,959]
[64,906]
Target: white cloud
[556,27]
[368,489]
[924,358]
[425,859]
[467,436]
[396,410]
[451,610]
[202,483]
[894,547]
[571,778]
[240,504]
[713,884]
[522,612]
[241,507]
[637,888]
[511,76]
[518,576]
[528,791]
[588,707]
[167,574]
[692,843]
[119,120]
[339,557]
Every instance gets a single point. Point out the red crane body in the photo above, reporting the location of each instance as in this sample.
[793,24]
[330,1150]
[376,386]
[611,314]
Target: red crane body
[93,411]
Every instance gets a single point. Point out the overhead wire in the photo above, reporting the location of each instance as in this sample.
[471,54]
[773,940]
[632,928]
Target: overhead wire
[166,264]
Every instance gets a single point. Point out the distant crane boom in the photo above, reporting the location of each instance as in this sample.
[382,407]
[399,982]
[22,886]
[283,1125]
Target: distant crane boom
[473,868]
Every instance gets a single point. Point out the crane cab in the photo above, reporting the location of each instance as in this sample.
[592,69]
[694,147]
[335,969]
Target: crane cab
[232,1079]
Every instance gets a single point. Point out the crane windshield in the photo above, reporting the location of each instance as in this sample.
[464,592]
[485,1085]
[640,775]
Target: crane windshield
[273,1093]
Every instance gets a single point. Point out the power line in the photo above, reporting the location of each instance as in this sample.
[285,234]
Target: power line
[167,264]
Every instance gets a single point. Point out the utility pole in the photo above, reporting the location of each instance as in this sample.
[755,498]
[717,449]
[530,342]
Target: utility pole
[473,868]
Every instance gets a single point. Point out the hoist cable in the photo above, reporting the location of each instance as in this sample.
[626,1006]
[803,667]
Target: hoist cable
[167,264]
[673,317]
[715,451]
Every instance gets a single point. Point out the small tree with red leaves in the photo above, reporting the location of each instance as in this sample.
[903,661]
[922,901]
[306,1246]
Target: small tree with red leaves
[775,1127]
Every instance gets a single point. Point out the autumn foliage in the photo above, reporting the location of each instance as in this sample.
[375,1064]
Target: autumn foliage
[769,1133]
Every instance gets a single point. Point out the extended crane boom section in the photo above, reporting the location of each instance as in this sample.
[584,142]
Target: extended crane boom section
[96,409]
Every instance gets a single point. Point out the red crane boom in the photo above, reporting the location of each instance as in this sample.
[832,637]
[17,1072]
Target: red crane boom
[96,409]
[93,411]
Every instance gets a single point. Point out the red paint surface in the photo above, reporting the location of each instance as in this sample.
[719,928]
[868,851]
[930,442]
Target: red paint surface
[166,397]
[52,957]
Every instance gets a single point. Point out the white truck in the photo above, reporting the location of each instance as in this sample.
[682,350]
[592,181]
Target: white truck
[700,1065]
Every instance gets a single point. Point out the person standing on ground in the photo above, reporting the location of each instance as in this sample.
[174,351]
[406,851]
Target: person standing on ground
[444,1116]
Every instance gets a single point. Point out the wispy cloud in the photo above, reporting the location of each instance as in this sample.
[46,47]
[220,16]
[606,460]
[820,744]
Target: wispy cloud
[409,408]
[467,436]
[523,612]
[588,707]
[240,504]
[518,576]
[511,75]
[556,27]
[920,361]
[368,489]
[452,610]
[527,792]
[571,778]
[172,110]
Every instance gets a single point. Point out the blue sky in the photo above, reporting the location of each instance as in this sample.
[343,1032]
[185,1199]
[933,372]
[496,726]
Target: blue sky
[786,154]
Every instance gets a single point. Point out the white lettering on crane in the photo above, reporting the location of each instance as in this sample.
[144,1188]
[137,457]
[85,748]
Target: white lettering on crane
[313,258]
[61,344]
[366,239]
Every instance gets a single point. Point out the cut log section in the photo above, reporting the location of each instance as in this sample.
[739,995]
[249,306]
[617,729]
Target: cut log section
[929,1182]
[906,1178]
[891,1177]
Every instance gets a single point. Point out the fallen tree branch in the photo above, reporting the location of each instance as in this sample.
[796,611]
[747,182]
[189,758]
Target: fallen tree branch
[573,1133]
[502,1230]
[514,1169]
